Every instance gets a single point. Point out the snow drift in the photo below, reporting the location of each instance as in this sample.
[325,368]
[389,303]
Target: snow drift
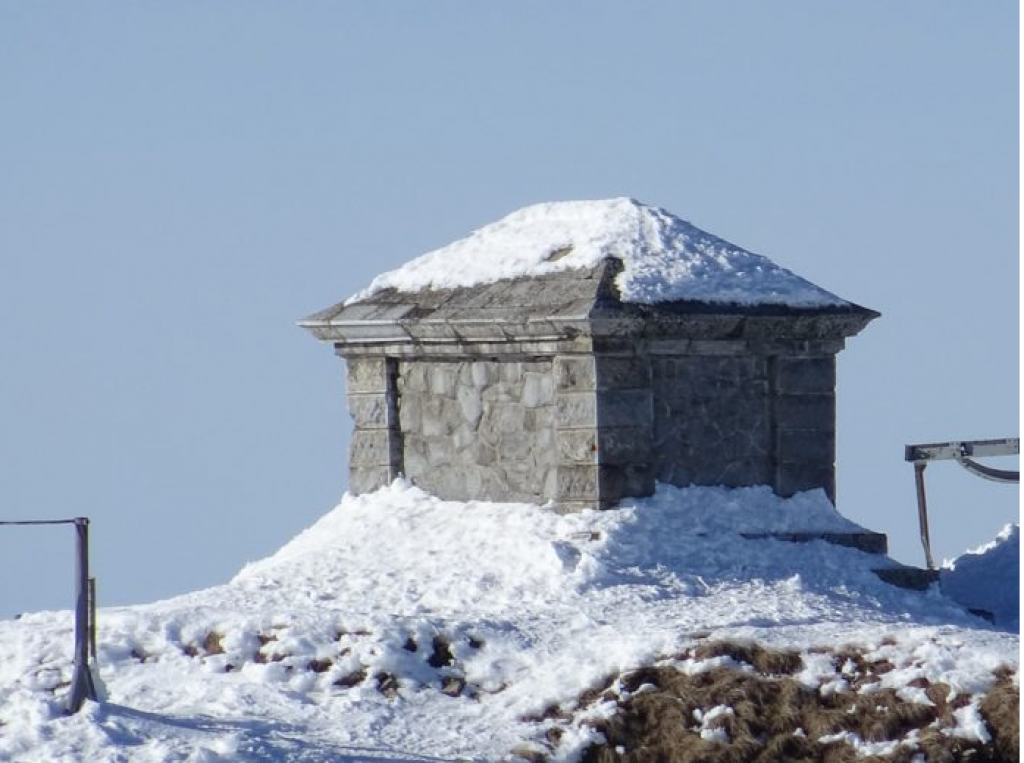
[404,628]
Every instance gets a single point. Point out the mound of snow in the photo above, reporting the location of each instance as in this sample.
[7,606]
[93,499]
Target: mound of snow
[988,578]
[665,258]
[404,627]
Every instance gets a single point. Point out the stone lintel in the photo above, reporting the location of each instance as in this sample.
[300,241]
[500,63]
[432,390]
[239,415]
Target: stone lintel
[511,350]
[796,347]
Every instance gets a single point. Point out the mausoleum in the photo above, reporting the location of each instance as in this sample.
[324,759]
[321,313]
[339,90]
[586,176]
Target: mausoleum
[577,352]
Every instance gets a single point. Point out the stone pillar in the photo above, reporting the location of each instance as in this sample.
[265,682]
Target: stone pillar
[804,416]
[375,457]
[603,422]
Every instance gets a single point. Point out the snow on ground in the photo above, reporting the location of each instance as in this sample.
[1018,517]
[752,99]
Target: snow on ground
[405,628]
[664,258]
[988,578]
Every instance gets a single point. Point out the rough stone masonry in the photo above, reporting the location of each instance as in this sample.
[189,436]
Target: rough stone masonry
[552,389]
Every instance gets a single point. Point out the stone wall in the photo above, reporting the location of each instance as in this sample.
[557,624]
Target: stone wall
[734,418]
[713,420]
[482,428]
[589,429]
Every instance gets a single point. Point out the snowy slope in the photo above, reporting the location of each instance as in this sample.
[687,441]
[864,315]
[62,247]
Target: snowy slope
[988,578]
[405,628]
[665,258]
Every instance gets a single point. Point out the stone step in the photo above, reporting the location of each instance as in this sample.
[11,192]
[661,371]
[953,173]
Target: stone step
[912,578]
[867,541]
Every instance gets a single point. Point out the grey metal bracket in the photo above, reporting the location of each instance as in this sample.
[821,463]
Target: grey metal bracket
[83,686]
[963,452]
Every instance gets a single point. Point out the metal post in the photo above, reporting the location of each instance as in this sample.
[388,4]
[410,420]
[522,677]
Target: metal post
[92,618]
[922,514]
[82,687]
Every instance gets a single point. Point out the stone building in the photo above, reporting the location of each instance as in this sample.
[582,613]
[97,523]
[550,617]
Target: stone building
[577,353]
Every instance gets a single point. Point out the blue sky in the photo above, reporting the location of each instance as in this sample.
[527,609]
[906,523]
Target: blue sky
[181,182]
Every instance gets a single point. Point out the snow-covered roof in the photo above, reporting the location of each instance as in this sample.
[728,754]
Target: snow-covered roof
[665,259]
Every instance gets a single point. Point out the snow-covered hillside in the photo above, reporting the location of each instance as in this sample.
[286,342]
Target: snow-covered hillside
[405,628]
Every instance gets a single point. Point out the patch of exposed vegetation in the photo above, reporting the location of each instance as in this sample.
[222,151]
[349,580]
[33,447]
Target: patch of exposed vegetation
[756,711]
[208,647]
[1001,710]
[339,662]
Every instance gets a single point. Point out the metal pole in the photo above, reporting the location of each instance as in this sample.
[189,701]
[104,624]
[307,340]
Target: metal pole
[82,687]
[922,514]
[92,619]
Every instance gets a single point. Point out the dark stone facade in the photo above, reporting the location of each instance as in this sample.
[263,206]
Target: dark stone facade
[551,389]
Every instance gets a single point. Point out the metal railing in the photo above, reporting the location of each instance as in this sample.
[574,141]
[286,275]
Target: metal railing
[82,685]
[963,452]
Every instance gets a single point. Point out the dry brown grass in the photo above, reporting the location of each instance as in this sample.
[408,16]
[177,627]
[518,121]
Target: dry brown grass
[770,662]
[1001,711]
[775,719]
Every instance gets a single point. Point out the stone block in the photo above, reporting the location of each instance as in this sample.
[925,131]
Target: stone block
[624,408]
[618,482]
[483,374]
[804,376]
[796,478]
[410,416]
[810,446]
[575,409]
[614,373]
[521,477]
[374,447]
[577,483]
[368,375]
[577,446]
[515,447]
[463,438]
[484,454]
[455,482]
[470,404]
[544,440]
[511,373]
[436,417]
[439,452]
[374,411]
[538,389]
[621,446]
[502,417]
[805,412]
[366,479]
[414,456]
[442,378]
[575,373]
